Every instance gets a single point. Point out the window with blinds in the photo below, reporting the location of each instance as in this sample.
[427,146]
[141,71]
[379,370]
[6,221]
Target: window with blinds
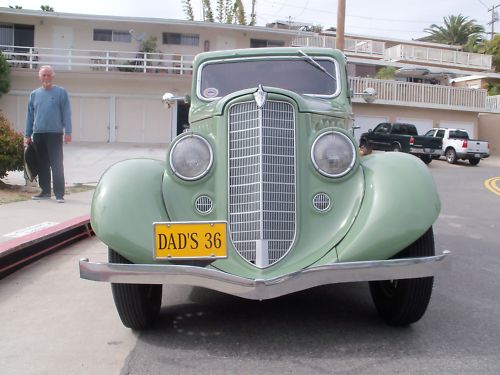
[12,35]
[181,39]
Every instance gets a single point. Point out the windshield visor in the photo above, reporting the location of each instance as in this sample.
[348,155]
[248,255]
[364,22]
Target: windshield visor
[298,75]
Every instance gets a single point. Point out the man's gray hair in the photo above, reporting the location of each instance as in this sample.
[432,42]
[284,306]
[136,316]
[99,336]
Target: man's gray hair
[47,67]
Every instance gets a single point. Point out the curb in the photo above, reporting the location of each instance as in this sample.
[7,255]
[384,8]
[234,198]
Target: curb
[19,252]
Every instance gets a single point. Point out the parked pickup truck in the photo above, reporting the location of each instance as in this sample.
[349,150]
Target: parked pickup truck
[403,138]
[458,145]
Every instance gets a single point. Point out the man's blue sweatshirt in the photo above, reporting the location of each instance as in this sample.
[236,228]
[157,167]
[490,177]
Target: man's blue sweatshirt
[49,111]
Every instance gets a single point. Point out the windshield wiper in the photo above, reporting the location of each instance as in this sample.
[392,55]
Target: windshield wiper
[317,65]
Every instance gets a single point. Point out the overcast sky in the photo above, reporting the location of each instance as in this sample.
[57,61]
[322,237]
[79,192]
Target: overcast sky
[401,19]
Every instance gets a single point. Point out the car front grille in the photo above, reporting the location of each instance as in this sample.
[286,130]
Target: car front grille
[262,195]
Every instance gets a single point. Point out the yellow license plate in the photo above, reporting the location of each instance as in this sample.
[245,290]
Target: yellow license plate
[190,240]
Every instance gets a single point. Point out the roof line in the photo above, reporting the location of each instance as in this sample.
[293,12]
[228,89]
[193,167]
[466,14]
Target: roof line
[149,20]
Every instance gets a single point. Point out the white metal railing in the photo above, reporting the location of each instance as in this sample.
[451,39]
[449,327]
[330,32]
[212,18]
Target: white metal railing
[493,103]
[358,46]
[419,94]
[97,60]
[440,56]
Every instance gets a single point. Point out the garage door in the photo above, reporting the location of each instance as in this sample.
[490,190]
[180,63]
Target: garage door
[423,125]
[90,119]
[142,120]
[365,123]
[469,126]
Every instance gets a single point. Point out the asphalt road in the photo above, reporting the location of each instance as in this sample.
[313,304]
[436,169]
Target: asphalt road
[51,322]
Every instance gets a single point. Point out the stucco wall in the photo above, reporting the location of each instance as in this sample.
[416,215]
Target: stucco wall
[489,130]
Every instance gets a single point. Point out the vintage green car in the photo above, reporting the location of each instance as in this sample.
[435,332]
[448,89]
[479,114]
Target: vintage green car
[267,194]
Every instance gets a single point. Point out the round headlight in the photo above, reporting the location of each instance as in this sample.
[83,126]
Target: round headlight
[333,154]
[191,157]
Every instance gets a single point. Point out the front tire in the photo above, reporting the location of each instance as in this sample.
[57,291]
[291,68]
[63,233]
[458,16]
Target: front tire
[403,302]
[138,305]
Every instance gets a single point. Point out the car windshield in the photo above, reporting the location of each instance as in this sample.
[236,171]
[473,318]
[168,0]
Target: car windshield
[299,75]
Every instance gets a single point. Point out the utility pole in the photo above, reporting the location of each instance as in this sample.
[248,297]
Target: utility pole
[339,43]
[494,18]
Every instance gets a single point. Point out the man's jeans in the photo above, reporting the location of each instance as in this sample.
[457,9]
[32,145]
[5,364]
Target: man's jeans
[49,148]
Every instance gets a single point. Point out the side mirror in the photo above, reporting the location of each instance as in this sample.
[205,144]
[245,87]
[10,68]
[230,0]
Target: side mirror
[370,130]
[169,99]
[369,95]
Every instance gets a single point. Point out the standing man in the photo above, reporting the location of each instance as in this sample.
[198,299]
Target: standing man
[48,120]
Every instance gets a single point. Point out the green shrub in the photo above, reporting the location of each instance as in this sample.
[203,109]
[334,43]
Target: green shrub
[493,89]
[11,148]
[386,73]
[4,75]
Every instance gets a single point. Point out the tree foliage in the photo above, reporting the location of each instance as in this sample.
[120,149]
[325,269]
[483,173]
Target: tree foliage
[46,8]
[457,30]
[492,47]
[226,11]
[208,14]
[493,89]
[239,12]
[149,45]
[188,9]
[220,10]
[386,72]
[4,75]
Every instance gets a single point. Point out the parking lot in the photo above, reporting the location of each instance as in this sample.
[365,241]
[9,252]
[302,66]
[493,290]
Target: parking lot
[54,322]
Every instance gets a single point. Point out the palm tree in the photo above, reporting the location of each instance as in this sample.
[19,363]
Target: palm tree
[457,30]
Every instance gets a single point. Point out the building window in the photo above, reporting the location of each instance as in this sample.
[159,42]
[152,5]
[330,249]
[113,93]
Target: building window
[181,39]
[17,35]
[108,35]
[260,43]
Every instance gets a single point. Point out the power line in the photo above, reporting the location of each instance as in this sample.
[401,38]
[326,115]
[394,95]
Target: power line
[494,18]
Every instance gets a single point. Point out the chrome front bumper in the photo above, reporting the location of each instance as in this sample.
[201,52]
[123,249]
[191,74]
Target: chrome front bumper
[261,289]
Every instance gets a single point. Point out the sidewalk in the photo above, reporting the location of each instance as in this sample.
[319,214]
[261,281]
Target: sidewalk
[84,163]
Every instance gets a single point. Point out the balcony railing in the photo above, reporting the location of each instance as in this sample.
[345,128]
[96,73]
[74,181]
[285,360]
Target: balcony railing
[438,56]
[401,52]
[493,103]
[388,92]
[423,95]
[357,46]
[95,60]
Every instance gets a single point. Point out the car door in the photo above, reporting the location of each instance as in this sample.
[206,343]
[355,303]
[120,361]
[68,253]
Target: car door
[381,136]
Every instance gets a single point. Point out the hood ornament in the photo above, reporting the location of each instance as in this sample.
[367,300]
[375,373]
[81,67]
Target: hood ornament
[260,97]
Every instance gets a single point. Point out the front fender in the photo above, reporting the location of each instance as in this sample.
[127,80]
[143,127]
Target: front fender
[400,204]
[127,200]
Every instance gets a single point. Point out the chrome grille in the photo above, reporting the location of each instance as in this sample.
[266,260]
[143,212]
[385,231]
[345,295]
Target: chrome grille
[262,196]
